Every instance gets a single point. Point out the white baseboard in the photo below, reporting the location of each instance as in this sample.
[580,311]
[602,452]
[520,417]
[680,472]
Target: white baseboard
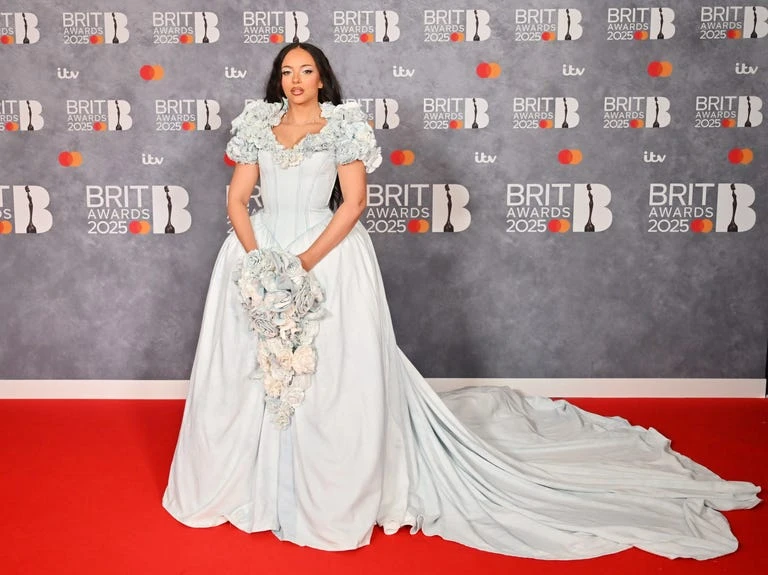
[610,387]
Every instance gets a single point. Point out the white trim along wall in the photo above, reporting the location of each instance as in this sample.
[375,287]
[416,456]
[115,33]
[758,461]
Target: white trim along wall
[177,389]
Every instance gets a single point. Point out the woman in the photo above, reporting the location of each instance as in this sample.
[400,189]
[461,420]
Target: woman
[371,443]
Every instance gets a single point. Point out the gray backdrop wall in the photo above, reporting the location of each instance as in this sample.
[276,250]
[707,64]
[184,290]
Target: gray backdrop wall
[605,162]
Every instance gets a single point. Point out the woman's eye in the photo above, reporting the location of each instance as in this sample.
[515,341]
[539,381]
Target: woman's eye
[307,72]
[285,72]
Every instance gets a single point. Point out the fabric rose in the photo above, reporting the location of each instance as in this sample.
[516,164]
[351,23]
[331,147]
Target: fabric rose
[304,359]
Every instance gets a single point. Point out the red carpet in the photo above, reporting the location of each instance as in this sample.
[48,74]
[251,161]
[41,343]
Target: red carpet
[81,484]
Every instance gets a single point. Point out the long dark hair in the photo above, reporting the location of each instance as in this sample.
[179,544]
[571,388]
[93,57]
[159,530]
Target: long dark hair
[330,92]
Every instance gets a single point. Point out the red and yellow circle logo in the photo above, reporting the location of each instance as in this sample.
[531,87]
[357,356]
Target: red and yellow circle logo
[570,157]
[728,123]
[660,69]
[701,226]
[367,37]
[186,39]
[6,227]
[11,126]
[6,39]
[402,157]
[733,34]
[741,156]
[641,35]
[70,159]
[418,226]
[558,226]
[139,227]
[150,72]
[488,70]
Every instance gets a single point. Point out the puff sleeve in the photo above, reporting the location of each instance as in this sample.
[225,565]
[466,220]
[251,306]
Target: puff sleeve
[249,132]
[354,138]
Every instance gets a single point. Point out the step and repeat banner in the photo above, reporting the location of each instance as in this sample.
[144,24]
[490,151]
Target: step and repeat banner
[569,190]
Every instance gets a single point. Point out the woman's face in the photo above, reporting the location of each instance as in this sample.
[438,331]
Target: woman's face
[299,77]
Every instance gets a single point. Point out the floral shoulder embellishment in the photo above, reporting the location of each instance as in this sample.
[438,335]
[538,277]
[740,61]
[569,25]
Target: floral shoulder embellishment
[354,137]
[346,134]
[250,131]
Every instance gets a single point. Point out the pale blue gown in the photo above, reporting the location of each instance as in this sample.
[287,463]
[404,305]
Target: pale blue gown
[372,443]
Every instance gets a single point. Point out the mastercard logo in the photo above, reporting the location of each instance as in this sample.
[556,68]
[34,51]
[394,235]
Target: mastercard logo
[402,157]
[488,70]
[570,157]
[276,38]
[11,126]
[99,126]
[728,123]
[740,156]
[139,227]
[367,37]
[418,226]
[701,226]
[548,36]
[733,34]
[661,69]
[636,123]
[96,39]
[545,124]
[456,124]
[70,159]
[188,126]
[6,39]
[641,35]
[457,37]
[558,226]
[151,72]
[186,39]
[229,161]
[6,227]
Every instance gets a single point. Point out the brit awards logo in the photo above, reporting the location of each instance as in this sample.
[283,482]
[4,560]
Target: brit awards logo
[547,24]
[417,208]
[23,210]
[558,207]
[98,115]
[456,25]
[185,27]
[544,112]
[681,207]
[381,111]
[455,113]
[351,26]
[21,115]
[733,22]
[137,209]
[641,23]
[187,115]
[94,28]
[18,28]
[728,112]
[635,112]
[272,26]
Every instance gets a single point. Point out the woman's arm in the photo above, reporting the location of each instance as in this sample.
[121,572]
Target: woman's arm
[353,188]
[241,185]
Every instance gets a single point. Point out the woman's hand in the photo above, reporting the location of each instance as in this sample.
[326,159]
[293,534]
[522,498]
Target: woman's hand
[307,262]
